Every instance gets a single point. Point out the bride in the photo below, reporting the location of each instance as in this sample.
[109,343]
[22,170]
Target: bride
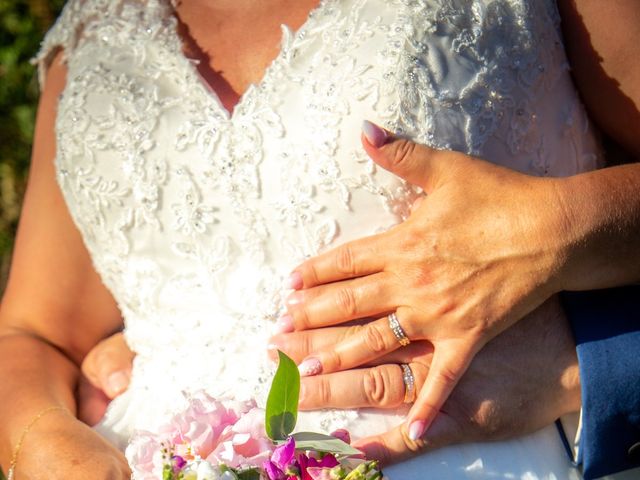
[181,205]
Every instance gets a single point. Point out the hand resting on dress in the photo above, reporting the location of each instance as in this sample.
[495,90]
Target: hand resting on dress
[519,382]
[486,246]
[106,372]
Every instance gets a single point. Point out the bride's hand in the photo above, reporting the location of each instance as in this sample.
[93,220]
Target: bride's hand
[106,373]
[482,249]
[64,447]
[499,396]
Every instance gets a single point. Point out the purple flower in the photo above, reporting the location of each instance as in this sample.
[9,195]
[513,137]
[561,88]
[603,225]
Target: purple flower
[285,454]
[273,472]
[283,464]
[178,463]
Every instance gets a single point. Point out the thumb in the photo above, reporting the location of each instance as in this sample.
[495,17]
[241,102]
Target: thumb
[108,365]
[446,369]
[395,445]
[417,164]
[92,402]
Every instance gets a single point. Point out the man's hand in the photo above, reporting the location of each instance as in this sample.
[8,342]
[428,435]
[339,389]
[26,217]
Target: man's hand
[106,374]
[519,382]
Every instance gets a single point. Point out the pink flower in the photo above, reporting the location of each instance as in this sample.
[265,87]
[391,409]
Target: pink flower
[201,427]
[312,469]
[319,473]
[245,443]
[231,433]
[144,454]
[342,434]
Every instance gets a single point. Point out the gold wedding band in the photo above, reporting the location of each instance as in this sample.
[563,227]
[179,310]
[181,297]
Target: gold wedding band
[397,330]
[409,383]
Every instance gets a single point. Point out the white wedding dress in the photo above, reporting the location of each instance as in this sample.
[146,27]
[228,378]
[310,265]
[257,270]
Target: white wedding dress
[193,217]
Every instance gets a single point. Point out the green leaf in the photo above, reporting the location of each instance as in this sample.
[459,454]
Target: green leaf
[282,404]
[323,443]
[251,474]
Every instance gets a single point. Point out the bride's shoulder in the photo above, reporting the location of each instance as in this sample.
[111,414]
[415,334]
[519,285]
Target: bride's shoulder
[81,20]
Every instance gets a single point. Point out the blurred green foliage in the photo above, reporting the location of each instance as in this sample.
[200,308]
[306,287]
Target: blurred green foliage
[23,23]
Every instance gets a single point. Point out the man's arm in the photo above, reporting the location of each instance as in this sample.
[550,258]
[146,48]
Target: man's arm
[606,327]
[603,45]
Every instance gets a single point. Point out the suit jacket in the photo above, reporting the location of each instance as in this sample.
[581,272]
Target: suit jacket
[606,327]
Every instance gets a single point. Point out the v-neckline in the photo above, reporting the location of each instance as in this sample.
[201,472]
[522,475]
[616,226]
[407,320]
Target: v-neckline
[245,97]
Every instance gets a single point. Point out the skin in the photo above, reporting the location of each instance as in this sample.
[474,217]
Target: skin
[55,308]
[499,397]
[46,332]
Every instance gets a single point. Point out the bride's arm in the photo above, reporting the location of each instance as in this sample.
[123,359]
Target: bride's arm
[53,311]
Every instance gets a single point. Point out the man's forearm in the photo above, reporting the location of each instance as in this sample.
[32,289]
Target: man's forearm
[35,376]
[602,210]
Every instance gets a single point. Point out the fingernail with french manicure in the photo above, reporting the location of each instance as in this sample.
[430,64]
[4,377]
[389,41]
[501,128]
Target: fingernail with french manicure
[416,429]
[294,282]
[310,367]
[284,324]
[375,135]
[117,383]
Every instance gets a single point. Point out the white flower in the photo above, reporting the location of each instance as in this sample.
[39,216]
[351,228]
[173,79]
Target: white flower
[207,472]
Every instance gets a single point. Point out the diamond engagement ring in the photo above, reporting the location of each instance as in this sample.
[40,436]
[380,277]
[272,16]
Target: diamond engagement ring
[409,383]
[397,330]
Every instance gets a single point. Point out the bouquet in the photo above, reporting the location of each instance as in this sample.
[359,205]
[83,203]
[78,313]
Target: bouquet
[228,440]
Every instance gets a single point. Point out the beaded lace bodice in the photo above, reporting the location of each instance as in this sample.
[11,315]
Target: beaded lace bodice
[193,217]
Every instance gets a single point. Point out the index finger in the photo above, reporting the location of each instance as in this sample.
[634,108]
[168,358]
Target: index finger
[353,259]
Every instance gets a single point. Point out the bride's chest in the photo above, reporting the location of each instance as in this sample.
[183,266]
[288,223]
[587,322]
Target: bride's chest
[155,169]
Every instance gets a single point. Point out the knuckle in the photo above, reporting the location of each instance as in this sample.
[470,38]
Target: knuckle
[309,272]
[322,393]
[346,302]
[376,389]
[351,331]
[446,376]
[333,361]
[345,262]
[307,345]
[385,456]
[374,339]
[409,445]
[404,153]
[487,420]
[301,318]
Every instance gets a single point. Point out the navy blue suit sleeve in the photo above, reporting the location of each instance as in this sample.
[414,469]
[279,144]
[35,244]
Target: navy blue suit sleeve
[606,327]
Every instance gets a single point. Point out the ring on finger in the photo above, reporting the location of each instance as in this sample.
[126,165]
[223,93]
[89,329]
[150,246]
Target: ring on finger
[397,330]
[409,383]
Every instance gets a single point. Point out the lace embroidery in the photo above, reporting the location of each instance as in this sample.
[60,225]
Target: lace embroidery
[193,217]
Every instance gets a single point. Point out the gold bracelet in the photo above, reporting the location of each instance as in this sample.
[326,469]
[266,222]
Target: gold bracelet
[16,452]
